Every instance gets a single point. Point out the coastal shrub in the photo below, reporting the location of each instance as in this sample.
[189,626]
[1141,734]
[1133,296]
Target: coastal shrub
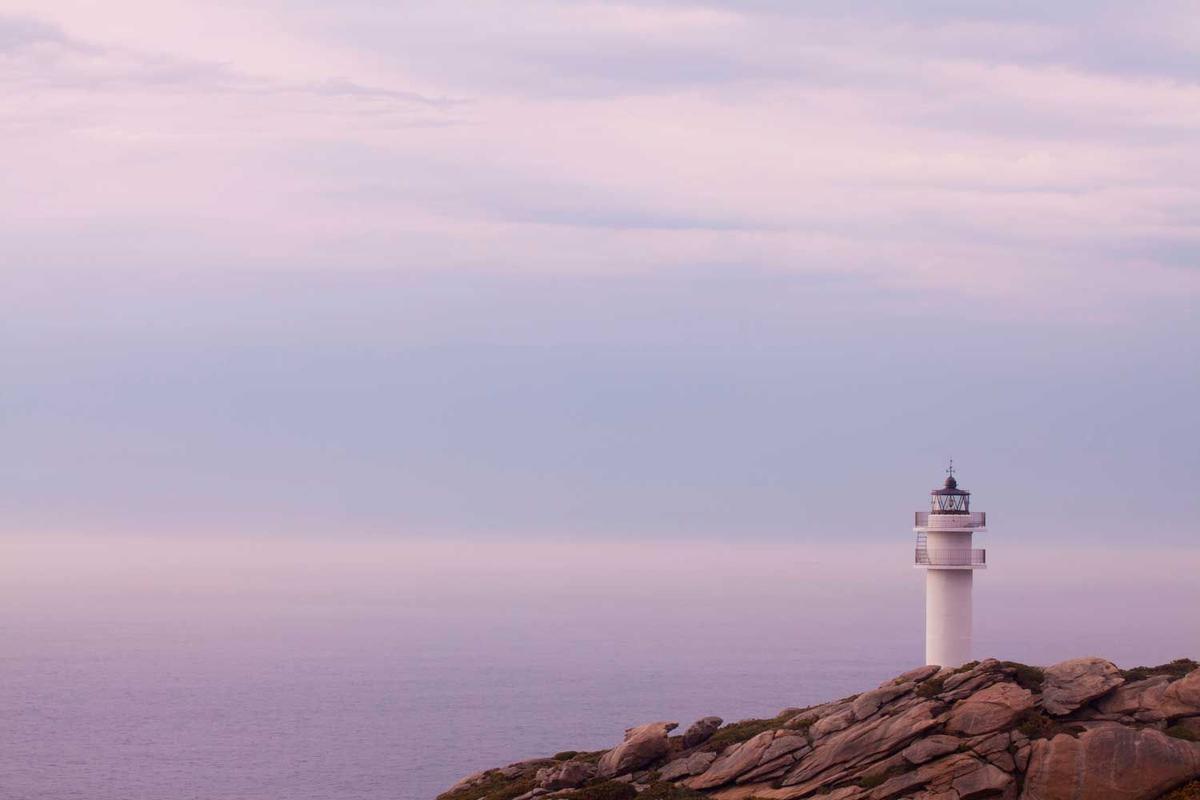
[1027,677]
[663,790]
[1036,725]
[873,779]
[606,790]
[493,787]
[967,667]
[1180,732]
[736,732]
[566,755]
[931,687]
[1174,669]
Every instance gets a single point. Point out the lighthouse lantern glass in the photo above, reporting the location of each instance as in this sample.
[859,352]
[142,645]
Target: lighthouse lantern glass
[945,503]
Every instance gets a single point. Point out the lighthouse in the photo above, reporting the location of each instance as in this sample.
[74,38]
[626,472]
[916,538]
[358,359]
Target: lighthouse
[944,551]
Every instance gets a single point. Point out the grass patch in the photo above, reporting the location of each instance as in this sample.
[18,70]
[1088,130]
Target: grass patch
[566,755]
[1036,725]
[606,790]
[736,732]
[1174,669]
[669,791]
[931,687]
[1027,677]
[494,787]
[1180,732]
[873,779]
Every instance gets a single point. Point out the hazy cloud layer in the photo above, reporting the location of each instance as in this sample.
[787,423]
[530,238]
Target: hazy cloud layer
[658,265]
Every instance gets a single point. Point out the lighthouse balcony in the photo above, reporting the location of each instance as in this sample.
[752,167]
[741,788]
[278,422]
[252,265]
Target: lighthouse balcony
[968,521]
[951,559]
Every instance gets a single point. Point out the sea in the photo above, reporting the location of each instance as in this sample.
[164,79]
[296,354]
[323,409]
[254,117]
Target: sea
[273,667]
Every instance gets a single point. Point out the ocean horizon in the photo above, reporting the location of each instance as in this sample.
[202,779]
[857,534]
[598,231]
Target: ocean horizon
[262,668]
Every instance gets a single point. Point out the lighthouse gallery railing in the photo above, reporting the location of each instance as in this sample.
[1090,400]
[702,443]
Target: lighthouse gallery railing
[974,519]
[951,558]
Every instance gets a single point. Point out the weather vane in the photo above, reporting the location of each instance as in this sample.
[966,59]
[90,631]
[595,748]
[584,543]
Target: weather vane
[950,469]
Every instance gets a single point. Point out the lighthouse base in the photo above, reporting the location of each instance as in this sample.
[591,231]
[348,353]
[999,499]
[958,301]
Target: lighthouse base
[948,616]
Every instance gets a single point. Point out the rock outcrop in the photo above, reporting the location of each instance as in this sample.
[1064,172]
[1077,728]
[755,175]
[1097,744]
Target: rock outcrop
[701,731]
[1072,683]
[1079,730]
[643,745]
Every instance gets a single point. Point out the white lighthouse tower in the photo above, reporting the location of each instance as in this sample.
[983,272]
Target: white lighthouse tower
[944,551]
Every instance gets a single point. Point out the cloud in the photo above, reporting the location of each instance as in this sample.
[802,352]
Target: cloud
[887,143]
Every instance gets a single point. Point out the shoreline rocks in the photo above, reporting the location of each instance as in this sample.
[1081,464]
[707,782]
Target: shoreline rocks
[1074,730]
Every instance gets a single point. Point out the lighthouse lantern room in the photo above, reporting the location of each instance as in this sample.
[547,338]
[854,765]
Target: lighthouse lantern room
[944,551]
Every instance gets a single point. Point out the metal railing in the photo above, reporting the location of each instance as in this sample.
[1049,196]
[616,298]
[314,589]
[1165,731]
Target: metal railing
[950,558]
[974,519]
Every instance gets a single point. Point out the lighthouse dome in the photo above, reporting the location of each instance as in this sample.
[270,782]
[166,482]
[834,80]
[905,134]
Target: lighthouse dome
[950,499]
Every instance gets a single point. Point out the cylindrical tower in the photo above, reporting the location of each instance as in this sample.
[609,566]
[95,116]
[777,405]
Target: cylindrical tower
[944,552]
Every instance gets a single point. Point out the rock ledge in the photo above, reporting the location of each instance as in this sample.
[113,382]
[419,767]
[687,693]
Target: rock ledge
[1079,729]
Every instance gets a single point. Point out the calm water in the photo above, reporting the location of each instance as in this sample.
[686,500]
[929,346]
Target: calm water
[289,670]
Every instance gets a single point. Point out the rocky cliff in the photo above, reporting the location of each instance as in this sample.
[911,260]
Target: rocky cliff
[1079,730]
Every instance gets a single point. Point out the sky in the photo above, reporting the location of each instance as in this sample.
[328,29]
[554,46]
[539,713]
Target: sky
[604,271]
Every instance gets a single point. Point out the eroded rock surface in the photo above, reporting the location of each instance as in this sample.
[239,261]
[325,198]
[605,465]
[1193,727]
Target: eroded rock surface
[701,731]
[643,745]
[989,709]
[1111,762]
[1079,730]
[1070,684]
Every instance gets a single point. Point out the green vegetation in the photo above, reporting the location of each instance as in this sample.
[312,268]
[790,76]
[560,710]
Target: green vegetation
[1175,669]
[566,755]
[749,728]
[606,790]
[1027,677]
[1036,725]
[1180,732]
[931,687]
[494,787]
[967,667]
[669,791]
[872,779]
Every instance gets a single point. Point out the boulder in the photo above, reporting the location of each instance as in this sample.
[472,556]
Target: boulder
[567,775]
[642,746]
[990,709]
[1134,697]
[701,731]
[955,776]
[917,675]
[785,749]
[987,780]
[868,703]
[513,770]
[1181,698]
[929,748]
[832,723]
[1109,762]
[860,742]
[994,748]
[1156,698]
[532,793]
[686,767]
[957,678]
[733,762]
[1070,684]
